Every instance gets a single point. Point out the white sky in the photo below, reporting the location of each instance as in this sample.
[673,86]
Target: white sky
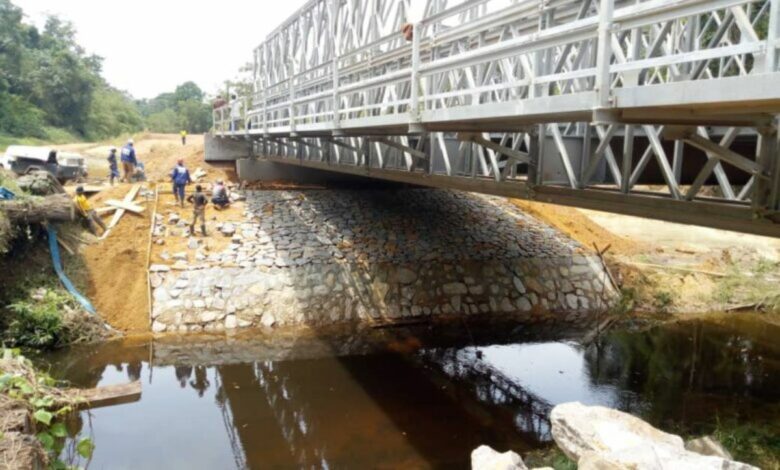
[151,46]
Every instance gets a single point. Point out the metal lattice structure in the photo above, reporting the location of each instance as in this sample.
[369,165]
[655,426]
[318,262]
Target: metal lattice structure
[494,95]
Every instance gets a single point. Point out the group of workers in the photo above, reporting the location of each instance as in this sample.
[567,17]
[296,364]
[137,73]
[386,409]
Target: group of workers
[133,169]
[180,177]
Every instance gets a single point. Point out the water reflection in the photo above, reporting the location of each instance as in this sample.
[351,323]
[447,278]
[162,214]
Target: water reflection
[425,403]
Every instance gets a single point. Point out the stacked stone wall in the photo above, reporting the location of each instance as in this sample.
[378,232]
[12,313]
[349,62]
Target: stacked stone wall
[320,257]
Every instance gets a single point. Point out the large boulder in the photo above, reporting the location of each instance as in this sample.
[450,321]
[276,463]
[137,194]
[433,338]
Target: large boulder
[601,438]
[485,458]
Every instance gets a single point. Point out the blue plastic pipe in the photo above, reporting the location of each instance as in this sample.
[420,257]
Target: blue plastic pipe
[57,261]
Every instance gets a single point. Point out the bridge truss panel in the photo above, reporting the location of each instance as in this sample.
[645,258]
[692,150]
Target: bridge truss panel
[485,94]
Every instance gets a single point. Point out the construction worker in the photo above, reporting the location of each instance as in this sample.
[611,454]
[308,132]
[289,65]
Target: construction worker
[180,176]
[113,168]
[128,161]
[219,196]
[184,137]
[86,210]
[199,202]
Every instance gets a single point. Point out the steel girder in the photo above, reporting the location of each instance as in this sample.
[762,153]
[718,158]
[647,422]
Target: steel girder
[484,86]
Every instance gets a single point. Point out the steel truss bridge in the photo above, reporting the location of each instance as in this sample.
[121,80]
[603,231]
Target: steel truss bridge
[565,101]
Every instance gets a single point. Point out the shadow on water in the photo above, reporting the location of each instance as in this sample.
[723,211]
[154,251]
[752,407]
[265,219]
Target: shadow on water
[413,397]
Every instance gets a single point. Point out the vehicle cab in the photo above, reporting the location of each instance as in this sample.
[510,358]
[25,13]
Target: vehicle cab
[65,166]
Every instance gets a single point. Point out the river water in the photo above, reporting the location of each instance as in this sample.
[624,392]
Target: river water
[415,397]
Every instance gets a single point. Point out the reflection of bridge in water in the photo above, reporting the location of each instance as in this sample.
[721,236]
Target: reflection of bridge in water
[317,432]
[491,386]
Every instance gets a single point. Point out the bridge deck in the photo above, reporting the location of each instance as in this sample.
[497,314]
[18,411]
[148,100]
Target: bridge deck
[571,99]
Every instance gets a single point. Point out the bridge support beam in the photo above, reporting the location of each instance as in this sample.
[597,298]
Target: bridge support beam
[225,149]
[252,170]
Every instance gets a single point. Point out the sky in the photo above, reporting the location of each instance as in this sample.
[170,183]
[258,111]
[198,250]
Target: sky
[151,46]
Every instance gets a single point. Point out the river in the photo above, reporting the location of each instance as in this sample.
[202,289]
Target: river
[415,397]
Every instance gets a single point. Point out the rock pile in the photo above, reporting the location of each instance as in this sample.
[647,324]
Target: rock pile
[599,438]
[596,437]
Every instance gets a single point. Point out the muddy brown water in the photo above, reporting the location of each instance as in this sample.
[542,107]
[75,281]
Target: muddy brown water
[417,397]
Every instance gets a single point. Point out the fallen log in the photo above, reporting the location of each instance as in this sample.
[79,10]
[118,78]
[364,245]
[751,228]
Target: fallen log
[55,208]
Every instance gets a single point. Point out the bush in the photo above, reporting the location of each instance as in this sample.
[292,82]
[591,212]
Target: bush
[755,443]
[37,323]
[20,118]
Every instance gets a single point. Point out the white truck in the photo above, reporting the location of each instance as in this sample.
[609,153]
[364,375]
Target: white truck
[65,166]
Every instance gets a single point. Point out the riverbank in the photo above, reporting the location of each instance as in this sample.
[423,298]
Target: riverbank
[424,395]
[674,269]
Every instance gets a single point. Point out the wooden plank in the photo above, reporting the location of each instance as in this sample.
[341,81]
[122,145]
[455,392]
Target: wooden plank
[105,210]
[66,247]
[128,206]
[120,212]
[149,252]
[109,395]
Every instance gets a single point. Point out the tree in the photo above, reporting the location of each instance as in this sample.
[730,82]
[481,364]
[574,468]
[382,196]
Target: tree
[165,121]
[184,109]
[194,116]
[188,91]
[112,113]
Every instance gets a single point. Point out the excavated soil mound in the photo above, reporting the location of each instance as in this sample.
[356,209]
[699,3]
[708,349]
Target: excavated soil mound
[117,268]
[579,227]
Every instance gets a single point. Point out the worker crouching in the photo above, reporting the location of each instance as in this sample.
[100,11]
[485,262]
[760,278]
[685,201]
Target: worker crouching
[199,202]
[86,210]
[219,196]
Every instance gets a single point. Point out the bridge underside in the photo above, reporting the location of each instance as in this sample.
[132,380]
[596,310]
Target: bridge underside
[657,108]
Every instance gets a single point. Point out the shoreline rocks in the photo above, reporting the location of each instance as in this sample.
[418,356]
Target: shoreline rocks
[602,438]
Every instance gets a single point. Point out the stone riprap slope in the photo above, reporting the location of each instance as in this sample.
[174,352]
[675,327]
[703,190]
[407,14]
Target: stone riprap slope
[316,257]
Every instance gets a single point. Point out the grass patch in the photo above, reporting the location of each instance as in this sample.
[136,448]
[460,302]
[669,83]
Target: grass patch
[627,303]
[756,444]
[663,300]
[549,457]
[54,136]
[758,286]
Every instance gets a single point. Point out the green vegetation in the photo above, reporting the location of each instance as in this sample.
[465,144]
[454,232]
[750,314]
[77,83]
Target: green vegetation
[757,288]
[552,457]
[37,322]
[663,300]
[49,406]
[185,108]
[626,303]
[755,443]
[52,91]
[35,310]
[48,82]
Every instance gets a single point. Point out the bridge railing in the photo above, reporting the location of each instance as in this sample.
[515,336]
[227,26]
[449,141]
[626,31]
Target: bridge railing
[348,63]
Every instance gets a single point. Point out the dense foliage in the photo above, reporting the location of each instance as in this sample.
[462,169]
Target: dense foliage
[48,80]
[51,89]
[185,108]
